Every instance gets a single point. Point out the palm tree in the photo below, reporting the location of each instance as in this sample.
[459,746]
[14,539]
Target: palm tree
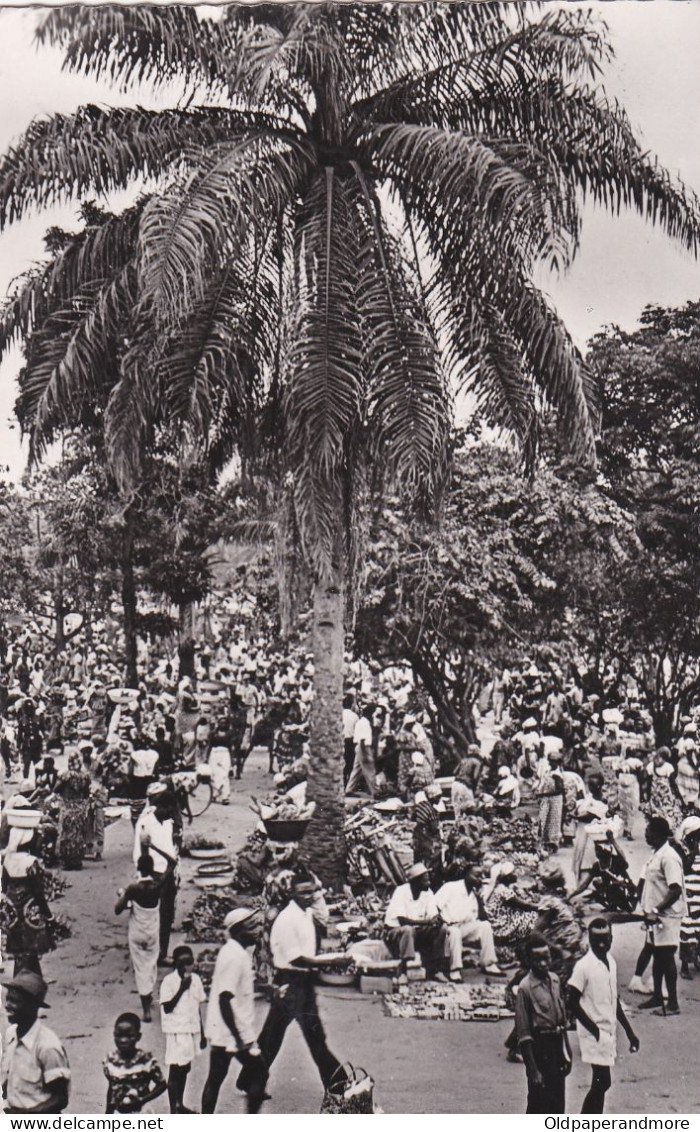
[349,209]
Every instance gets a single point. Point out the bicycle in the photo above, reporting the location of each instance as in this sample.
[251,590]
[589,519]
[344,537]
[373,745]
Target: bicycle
[192,790]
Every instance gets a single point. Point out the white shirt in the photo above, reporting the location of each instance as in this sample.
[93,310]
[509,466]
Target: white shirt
[184,1019]
[233,973]
[350,720]
[293,934]
[144,763]
[456,904]
[663,869]
[30,1063]
[598,986]
[161,837]
[404,905]
[362,732]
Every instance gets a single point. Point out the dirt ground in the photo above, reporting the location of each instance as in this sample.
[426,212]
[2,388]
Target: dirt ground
[419,1066]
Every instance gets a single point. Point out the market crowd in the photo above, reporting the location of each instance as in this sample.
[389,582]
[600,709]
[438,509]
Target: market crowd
[454,848]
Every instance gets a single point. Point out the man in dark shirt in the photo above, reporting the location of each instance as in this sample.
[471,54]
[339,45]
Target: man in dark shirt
[540,1026]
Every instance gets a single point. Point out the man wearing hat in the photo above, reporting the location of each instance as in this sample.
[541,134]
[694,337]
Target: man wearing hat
[230,1024]
[35,1071]
[413,920]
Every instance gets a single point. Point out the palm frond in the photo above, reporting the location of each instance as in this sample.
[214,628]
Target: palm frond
[91,257]
[325,392]
[408,405]
[130,415]
[509,189]
[101,150]
[493,371]
[72,360]
[194,225]
[141,43]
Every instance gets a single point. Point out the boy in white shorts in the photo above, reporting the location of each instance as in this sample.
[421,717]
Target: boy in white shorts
[181,996]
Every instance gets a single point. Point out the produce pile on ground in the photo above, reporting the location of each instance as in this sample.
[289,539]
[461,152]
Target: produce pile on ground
[518,834]
[204,923]
[196,841]
[448,1003]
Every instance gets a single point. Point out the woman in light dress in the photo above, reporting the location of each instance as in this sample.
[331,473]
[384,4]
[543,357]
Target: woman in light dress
[142,898]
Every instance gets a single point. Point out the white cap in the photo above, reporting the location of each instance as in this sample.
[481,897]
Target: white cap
[239,916]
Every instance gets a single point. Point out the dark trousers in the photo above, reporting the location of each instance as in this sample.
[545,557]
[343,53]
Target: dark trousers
[431,941]
[349,748]
[168,894]
[594,1101]
[550,1096]
[663,969]
[295,1001]
[251,1080]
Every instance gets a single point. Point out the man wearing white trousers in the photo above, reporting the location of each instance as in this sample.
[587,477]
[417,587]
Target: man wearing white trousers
[462,912]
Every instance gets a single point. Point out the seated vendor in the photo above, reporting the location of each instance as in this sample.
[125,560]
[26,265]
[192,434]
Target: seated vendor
[412,920]
[462,910]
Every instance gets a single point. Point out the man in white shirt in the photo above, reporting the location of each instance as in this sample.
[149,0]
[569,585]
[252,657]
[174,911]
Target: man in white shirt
[596,1006]
[462,911]
[350,721]
[230,1024]
[413,921]
[293,943]
[363,768]
[664,905]
[155,830]
[35,1071]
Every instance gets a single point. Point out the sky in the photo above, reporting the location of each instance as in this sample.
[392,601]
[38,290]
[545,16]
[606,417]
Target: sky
[623,263]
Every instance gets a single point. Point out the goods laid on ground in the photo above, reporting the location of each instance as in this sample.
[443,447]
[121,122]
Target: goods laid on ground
[203,925]
[448,1003]
[202,847]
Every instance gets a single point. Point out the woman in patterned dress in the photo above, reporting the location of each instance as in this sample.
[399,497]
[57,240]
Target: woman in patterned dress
[550,791]
[664,800]
[558,921]
[25,916]
[73,789]
[511,915]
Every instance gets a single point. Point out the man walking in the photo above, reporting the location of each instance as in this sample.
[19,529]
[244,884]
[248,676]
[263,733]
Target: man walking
[230,1024]
[363,768]
[596,1006]
[540,1027]
[664,906]
[293,945]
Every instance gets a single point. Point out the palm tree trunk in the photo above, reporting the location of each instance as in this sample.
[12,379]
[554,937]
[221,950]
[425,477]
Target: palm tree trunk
[129,605]
[186,640]
[323,847]
[59,611]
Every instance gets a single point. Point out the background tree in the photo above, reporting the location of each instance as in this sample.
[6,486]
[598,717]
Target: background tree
[650,457]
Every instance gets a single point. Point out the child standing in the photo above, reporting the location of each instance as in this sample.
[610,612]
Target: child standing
[181,996]
[134,1076]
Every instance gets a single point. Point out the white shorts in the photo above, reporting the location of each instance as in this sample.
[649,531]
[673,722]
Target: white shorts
[180,1049]
[668,932]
